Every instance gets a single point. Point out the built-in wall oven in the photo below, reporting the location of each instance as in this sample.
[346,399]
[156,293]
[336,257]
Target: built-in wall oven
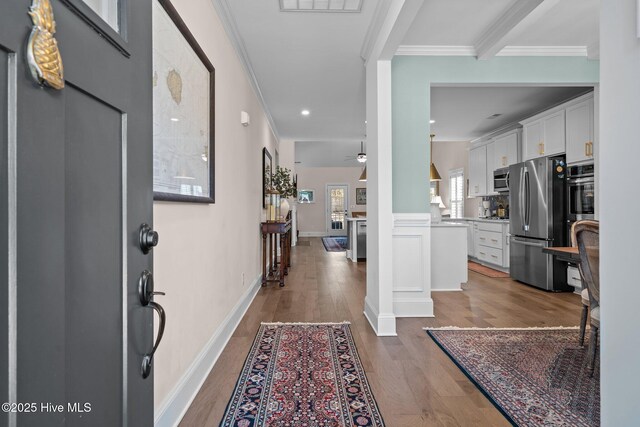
[581,193]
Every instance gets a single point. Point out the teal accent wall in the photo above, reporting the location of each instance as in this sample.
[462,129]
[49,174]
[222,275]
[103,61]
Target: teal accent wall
[412,77]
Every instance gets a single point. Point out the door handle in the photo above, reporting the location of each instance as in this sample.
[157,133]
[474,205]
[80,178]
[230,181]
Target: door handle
[146,294]
[147,360]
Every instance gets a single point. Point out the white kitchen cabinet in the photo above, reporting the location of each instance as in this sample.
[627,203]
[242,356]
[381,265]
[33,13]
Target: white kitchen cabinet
[478,171]
[579,122]
[490,168]
[491,243]
[531,139]
[506,150]
[544,135]
[471,229]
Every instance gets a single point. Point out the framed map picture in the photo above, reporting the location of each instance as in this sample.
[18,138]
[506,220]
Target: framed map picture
[183,111]
[361,196]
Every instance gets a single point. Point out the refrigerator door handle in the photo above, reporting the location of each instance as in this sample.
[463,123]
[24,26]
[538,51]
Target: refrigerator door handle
[527,215]
[521,198]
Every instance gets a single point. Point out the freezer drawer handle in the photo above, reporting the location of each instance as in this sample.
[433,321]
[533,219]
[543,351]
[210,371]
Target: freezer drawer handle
[522,242]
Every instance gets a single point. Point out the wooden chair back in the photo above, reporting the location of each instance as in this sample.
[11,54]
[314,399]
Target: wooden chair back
[586,234]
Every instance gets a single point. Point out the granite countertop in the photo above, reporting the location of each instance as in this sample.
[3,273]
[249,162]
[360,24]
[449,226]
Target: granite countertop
[357,219]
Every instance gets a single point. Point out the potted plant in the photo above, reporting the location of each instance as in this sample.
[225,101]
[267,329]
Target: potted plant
[282,182]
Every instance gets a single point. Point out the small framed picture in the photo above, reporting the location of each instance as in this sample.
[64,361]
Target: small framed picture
[361,196]
[306,196]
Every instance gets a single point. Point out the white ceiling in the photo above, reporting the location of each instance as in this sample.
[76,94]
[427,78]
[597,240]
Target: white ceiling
[552,23]
[311,60]
[453,22]
[307,60]
[314,154]
[461,113]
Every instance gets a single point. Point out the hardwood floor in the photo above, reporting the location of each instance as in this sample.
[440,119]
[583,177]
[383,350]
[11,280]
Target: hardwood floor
[413,381]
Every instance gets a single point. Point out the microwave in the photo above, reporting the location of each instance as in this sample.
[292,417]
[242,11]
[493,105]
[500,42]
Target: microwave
[501,180]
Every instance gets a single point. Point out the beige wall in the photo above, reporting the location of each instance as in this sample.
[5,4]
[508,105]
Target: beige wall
[448,155]
[311,217]
[205,251]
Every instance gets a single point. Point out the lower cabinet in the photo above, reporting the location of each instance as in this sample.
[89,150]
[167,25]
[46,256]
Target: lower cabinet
[491,243]
[487,241]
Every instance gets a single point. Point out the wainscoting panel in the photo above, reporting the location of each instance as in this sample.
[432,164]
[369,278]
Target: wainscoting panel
[412,265]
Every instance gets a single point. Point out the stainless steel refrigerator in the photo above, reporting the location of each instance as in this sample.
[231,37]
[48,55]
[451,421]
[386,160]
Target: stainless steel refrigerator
[537,220]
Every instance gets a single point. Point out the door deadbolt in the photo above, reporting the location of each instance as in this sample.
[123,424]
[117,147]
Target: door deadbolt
[148,238]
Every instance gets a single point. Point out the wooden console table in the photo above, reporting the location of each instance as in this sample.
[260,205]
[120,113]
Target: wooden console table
[273,230]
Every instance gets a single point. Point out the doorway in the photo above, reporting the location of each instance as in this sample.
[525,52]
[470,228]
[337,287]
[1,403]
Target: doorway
[337,209]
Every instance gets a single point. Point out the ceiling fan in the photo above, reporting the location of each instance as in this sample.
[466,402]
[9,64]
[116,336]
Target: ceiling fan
[361,157]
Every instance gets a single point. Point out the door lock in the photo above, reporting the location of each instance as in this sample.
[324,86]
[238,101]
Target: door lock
[148,238]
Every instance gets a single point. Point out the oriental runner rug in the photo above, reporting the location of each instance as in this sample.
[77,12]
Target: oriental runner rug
[302,374]
[535,377]
[335,244]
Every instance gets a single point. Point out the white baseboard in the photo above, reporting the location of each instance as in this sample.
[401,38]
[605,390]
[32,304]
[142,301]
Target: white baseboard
[413,307]
[176,404]
[383,325]
[313,234]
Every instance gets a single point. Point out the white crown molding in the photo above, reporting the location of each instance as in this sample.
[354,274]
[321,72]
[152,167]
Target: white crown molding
[231,28]
[494,38]
[543,51]
[414,50]
[410,50]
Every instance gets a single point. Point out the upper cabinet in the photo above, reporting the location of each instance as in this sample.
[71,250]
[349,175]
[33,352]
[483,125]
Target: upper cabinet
[506,148]
[478,171]
[491,166]
[485,156]
[580,141]
[544,135]
[567,128]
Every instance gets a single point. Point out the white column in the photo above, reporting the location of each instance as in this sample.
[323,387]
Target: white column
[619,237]
[379,300]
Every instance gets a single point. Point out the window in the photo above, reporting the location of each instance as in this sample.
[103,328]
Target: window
[456,192]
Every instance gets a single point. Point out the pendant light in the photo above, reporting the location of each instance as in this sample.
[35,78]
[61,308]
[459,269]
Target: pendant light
[433,171]
[363,175]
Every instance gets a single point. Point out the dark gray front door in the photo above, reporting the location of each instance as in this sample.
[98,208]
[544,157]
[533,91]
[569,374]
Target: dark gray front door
[75,185]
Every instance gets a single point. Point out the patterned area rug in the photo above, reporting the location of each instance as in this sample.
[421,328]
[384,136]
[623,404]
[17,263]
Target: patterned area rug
[335,244]
[486,271]
[533,376]
[302,374]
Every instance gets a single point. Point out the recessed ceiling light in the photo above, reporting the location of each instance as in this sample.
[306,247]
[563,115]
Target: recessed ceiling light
[432,121]
[174,119]
[305,112]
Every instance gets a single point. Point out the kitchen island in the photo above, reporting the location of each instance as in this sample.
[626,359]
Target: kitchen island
[357,239]
[449,256]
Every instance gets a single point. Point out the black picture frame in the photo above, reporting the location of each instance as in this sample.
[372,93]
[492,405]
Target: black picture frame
[361,196]
[267,173]
[184,30]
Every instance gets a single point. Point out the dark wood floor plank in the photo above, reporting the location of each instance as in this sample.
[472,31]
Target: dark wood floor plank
[414,382]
